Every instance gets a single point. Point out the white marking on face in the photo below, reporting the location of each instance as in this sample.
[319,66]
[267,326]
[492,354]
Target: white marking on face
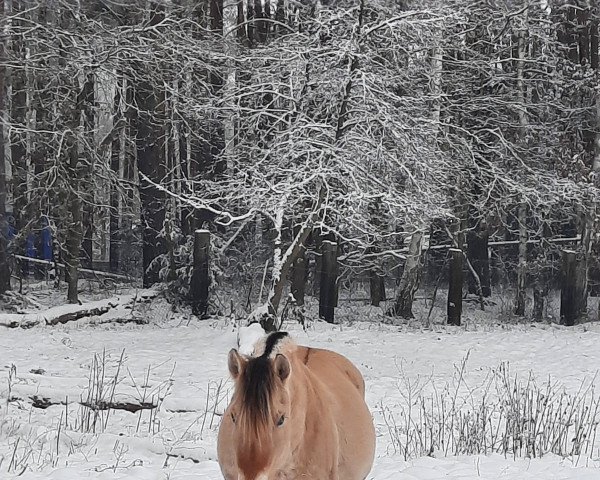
[262,476]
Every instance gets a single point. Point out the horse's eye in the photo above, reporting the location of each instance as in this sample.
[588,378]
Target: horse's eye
[233,418]
[280,421]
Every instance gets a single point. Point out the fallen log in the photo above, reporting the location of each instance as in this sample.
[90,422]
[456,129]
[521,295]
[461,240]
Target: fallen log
[132,407]
[42,402]
[68,313]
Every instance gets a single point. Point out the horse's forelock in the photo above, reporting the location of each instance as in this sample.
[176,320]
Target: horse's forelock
[257,385]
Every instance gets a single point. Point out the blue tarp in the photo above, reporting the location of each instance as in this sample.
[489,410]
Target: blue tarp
[38,243]
[46,240]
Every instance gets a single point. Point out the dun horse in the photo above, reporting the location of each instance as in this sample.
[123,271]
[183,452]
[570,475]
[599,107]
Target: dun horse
[296,413]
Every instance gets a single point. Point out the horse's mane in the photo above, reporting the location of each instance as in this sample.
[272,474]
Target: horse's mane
[256,387]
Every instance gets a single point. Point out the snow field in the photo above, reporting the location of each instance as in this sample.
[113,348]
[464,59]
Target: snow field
[181,367]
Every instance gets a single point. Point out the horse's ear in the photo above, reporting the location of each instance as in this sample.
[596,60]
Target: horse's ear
[234,363]
[282,367]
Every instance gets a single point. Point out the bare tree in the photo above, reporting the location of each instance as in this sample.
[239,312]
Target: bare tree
[4,267]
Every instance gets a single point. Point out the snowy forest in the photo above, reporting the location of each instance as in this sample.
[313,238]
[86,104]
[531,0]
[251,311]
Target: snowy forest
[386,128]
[433,142]
[412,184]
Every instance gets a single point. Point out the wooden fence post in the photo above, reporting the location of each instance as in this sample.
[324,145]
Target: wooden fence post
[201,273]
[569,302]
[377,287]
[328,284]
[455,287]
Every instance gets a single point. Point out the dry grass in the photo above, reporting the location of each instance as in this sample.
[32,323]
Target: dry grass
[505,414]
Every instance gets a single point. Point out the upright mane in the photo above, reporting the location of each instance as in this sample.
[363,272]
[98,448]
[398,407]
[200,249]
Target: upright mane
[256,387]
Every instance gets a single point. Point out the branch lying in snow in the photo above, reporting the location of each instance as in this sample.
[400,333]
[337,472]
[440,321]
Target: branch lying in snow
[68,313]
[132,405]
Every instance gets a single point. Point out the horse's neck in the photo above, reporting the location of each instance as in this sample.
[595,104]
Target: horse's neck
[307,390]
[313,421]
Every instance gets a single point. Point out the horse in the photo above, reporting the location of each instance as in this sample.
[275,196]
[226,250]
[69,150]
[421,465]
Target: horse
[296,413]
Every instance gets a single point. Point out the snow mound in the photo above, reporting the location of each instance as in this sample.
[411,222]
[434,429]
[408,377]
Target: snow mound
[248,337]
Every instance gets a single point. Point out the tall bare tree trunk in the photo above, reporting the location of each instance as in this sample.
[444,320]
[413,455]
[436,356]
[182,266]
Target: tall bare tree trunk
[18,151]
[522,216]
[104,138]
[78,174]
[4,267]
[411,277]
[117,163]
[594,266]
[88,190]
[151,165]
[230,50]
[75,221]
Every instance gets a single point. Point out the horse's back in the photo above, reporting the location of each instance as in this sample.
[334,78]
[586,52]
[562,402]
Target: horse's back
[344,386]
[332,368]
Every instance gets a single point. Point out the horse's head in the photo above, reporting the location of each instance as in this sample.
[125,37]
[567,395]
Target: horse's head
[260,412]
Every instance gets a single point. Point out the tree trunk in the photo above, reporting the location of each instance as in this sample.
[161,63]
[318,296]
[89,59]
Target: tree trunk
[281,267]
[541,275]
[523,123]
[540,294]
[88,190]
[191,168]
[455,286]
[229,45]
[4,267]
[571,29]
[478,255]
[584,256]
[75,229]
[283,263]
[103,137]
[522,265]
[411,278]
[594,45]
[18,151]
[150,163]
[149,123]
[200,281]
[117,163]
[298,284]
[216,15]
[594,248]
[75,173]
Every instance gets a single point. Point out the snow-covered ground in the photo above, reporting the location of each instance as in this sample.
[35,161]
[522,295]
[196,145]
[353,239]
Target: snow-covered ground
[179,364]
